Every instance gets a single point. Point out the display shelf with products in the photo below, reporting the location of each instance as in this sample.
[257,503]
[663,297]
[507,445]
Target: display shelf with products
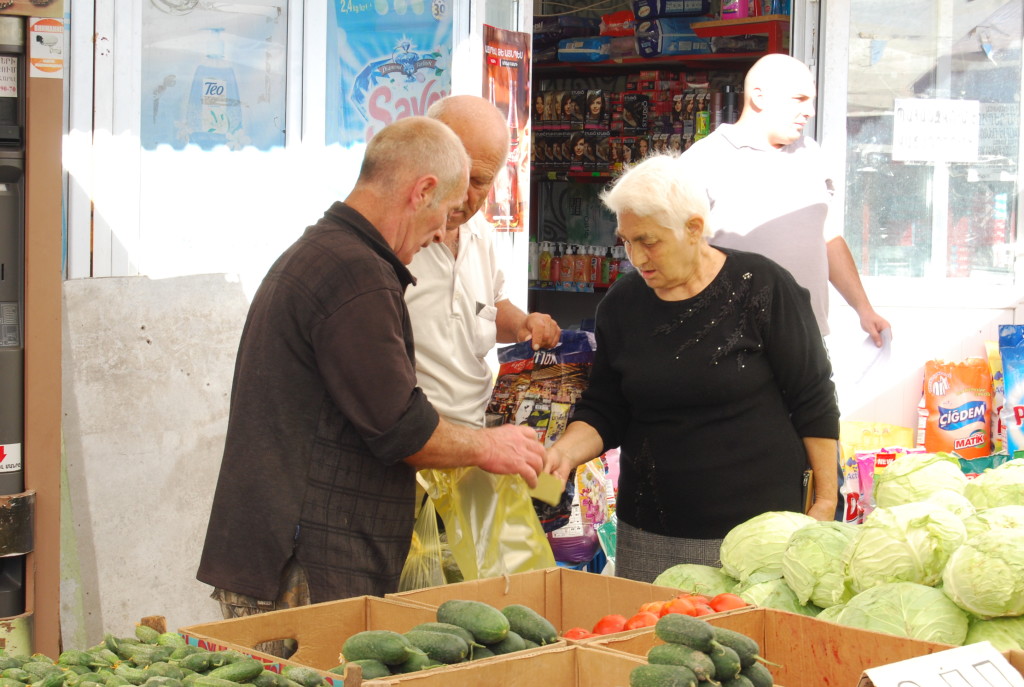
[590,119]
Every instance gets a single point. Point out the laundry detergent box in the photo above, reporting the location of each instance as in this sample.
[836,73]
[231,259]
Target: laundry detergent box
[669,36]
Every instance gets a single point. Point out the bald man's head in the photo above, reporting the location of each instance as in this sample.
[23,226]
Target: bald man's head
[484,133]
[778,99]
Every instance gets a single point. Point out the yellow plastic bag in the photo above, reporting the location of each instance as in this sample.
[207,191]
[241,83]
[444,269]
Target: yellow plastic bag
[489,520]
[423,566]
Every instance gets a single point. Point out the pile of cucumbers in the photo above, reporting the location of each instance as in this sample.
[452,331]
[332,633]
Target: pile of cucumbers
[149,659]
[464,631]
[696,653]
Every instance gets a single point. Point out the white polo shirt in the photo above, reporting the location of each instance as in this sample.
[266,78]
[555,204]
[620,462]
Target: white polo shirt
[772,201]
[453,313]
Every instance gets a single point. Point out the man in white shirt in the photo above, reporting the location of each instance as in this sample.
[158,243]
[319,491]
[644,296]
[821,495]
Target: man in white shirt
[770,192]
[458,306]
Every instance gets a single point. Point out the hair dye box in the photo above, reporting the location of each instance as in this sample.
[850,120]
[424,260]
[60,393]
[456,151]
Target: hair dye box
[567,598]
[320,630]
[805,651]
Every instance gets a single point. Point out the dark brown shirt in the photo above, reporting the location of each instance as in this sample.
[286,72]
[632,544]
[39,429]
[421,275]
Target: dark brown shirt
[324,408]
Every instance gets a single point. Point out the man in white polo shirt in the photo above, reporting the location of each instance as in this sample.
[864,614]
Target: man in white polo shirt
[458,306]
[770,192]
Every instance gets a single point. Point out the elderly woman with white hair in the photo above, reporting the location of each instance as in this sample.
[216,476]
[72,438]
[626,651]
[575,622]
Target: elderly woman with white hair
[711,376]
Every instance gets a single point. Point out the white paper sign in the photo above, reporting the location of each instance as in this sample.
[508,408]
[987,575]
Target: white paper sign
[8,77]
[974,665]
[933,130]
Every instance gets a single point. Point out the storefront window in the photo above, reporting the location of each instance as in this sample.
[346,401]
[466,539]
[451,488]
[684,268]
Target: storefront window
[933,123]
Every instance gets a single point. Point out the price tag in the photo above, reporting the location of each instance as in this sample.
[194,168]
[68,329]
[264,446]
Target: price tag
[974,665]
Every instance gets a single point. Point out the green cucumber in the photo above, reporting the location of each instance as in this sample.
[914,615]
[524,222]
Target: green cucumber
[239,671]
[462,632]
[371,668]
[682,655]
[440,646]
[484,621]
[758,675]
[529,624]
[416,661]
[115,680]
[390,648]
[146,634]
[512,643]
[307,677]
[207,681]
[170,639]
[198,662]
[738,681]
[10,662]
[662,676]
[480,651]
[745,647]
[75,657]
[135,676]
[677,628]
[268,678]
[18,674]
[162,681]
[727,661]
[11,682]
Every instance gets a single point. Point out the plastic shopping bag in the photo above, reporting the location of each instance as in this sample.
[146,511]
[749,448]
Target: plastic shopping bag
[423,566]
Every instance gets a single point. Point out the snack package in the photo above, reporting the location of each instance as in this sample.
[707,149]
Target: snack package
[958,400]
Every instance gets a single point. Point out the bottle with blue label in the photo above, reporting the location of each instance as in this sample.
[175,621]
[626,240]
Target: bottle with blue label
[214,109]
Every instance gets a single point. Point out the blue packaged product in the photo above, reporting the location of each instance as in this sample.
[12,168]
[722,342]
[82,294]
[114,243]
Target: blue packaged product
[1011,350]
[589,49]
[670,36]
[652,9]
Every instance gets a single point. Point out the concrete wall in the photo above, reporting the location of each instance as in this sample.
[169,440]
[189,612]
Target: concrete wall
[147,376]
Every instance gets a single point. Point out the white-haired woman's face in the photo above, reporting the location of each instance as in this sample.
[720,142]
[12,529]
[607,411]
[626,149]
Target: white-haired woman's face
[664,257]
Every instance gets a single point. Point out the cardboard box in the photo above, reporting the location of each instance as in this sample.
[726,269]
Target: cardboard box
[567,598]
[809,652]
[319,629]
[564,666]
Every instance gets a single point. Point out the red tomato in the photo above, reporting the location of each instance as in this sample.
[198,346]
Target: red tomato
[695,598]
[727,602]
[609,624]
[641,619]
[681,605]
[703,609]
[652,607]
[577,633]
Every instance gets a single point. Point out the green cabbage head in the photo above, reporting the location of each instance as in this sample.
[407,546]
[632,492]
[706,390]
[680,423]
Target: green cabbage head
[774,594]
[752,551]
[1004,633]
[916,476]
[985,576]
[1001,486]
[953,501]
[1000,517]
[906,543]
[909,610]
[696,579]
[812,563]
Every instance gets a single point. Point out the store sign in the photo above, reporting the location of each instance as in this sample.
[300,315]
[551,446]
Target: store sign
[974,665]
[46,48]
[932,130]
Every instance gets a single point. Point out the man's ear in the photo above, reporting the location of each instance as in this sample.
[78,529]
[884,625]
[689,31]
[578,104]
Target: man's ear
[423,191]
